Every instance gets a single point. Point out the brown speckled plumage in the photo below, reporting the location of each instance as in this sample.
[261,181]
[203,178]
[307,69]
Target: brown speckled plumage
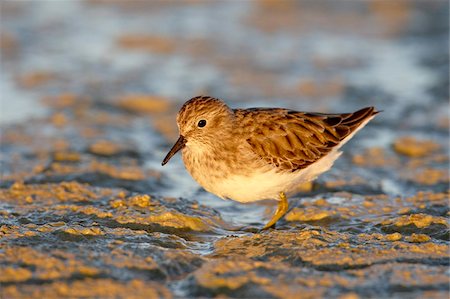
[291,140]
[259,153]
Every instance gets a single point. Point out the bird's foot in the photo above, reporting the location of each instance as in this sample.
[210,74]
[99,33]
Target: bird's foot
[283,206]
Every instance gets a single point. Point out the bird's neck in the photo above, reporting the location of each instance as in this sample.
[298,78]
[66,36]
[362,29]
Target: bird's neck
[210,159]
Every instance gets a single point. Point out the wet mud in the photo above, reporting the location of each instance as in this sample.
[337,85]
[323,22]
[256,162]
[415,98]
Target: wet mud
[90,91]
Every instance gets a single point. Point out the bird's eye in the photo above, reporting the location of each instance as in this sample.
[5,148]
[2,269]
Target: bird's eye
[201,123]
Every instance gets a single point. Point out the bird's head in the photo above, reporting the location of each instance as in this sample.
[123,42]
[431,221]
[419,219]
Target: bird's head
[202,122]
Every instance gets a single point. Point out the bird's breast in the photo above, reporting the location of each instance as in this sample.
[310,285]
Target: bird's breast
[229,174]
[206,167]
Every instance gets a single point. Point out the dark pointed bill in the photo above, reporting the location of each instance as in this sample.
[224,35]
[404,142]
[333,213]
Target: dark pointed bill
[175,148]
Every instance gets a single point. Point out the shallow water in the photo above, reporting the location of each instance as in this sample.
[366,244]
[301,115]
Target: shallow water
[90,90]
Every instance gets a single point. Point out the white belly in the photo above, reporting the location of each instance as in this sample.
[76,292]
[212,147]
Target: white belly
[267,183]
[258,186]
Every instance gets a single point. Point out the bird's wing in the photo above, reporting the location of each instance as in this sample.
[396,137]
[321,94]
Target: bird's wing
[292,140]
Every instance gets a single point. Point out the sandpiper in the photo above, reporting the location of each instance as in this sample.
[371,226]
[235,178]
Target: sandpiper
[260,153]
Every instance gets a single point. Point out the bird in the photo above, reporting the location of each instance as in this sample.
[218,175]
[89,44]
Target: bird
[253,154]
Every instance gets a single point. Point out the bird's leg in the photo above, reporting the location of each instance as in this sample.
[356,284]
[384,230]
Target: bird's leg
[283,206]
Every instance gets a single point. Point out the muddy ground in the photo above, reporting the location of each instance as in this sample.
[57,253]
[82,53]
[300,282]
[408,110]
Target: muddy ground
[89,94]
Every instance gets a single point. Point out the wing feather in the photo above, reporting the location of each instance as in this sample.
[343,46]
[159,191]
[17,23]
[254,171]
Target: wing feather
[292,140]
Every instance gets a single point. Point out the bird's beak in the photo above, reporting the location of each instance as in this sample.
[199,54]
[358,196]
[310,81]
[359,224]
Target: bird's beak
[181,142]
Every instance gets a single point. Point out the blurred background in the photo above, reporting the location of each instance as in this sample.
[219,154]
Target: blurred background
[90,89]
[82,65]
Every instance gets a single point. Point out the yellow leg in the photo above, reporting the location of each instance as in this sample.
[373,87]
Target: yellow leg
[283,206]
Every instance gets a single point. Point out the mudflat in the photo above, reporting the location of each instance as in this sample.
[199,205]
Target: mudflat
[90,91]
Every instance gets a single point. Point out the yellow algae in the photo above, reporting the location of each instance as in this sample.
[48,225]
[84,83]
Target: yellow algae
[418,238]
[342,183]
[437,196]
[429,248]
[122,194]
[321,202]
[426,197]
[45,265]
[63,168]
[305,187]
[272,15]
[291,291]
[140,200]
[105,148]
[164,124]
[257,245]
[51,273]
[29,234]
[344,245]
[92,231]
[412,147]
[224,245]
[67,156]
[428,276]
[59,119]
[125,232]
[87,231]
[140,103]
[60,145]
[88,271]
[394,15]
[89,210]
[5,229]
[57,224]
[375,157]
[118,203]
[132,173]
[90,288]
[151,43]
[10,274]
[36,78]
[213,281]
[170,199]
[17,186]
[123,259]
[314,88]
[64,191]
[63,100]
[393,237]
[9,44]
[231,274]
[405,210]
[368,204]
[386,209]
[349,296]
[419,220]
[44,229]
[15,232]
[377,236]
[127,219]
[430,176]
[71,230]
[91,133]
[308,214]
[177,220]
[373,248]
